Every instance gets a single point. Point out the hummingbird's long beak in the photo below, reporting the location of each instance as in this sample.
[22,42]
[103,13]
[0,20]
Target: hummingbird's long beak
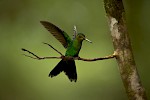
[88,40]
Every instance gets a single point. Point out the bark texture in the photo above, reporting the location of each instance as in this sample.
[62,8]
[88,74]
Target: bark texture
[122,45]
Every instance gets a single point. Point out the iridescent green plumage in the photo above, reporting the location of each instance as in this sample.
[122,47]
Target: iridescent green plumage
[73,47]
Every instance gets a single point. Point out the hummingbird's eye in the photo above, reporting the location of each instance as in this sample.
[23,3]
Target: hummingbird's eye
[81,37]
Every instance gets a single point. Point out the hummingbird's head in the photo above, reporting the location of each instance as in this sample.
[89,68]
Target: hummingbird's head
[81,37]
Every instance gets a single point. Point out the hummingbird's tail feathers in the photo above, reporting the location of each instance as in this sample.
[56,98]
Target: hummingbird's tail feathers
[68,67]
[57,69]
[70,70]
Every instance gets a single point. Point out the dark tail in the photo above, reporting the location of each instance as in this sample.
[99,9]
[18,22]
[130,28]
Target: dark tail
[68,67]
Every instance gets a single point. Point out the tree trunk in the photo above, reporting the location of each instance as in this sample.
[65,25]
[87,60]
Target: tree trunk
[122,45]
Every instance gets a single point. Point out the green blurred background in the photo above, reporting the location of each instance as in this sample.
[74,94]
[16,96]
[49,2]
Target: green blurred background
[22,78]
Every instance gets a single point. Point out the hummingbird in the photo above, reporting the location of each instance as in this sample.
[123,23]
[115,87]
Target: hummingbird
[72,47]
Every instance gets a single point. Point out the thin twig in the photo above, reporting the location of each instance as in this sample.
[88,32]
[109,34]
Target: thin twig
[68,57]
[30,53]
[40,58]
[53,48]
[37,57]
[95,59]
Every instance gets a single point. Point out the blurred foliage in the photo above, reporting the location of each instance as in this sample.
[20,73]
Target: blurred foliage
[22,78]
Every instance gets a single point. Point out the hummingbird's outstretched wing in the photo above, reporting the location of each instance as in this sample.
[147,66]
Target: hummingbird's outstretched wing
[60,35]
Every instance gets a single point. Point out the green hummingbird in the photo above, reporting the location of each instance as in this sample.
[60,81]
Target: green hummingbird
[72,46]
